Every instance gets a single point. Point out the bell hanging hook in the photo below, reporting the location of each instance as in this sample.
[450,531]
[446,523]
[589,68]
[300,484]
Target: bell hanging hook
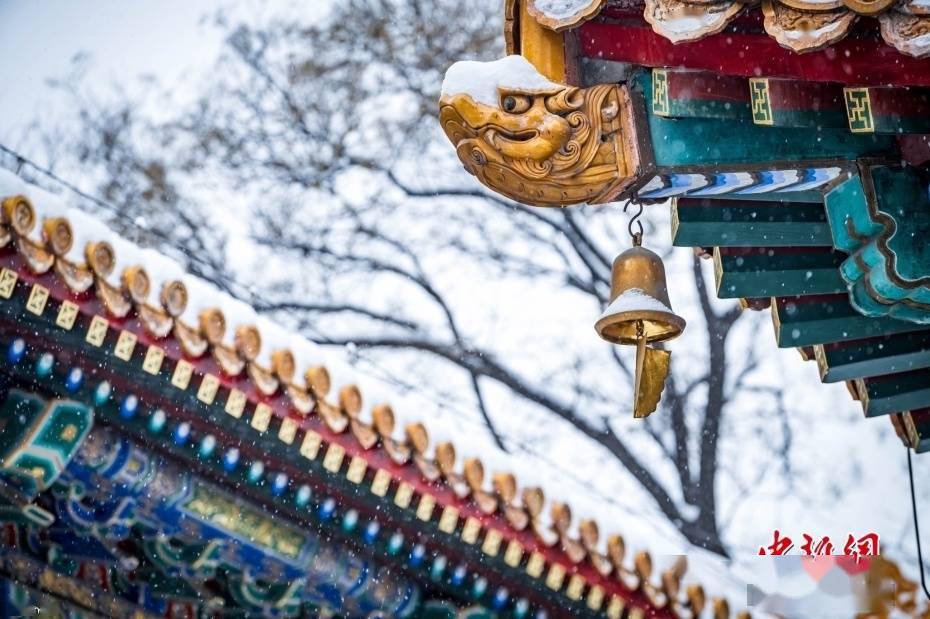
[637,236]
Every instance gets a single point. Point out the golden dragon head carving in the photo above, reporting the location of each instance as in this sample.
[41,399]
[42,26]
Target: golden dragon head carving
[537,141]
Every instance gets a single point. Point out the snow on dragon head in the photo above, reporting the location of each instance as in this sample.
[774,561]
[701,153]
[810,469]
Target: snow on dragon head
[537,141]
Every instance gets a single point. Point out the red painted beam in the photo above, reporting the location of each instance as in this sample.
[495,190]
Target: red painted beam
[855,61]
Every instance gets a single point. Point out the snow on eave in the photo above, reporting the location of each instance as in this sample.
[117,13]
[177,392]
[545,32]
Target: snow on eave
[441,426]
[562,15]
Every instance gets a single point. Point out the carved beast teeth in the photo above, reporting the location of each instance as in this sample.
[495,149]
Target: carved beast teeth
[490,137]
[555,152]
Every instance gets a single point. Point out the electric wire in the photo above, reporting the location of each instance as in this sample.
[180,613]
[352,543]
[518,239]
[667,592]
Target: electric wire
[920,555]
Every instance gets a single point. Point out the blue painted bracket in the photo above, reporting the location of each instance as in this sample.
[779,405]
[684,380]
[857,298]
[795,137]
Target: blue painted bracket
[882,218]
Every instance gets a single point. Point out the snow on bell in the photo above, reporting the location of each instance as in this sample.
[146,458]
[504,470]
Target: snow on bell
[640,313]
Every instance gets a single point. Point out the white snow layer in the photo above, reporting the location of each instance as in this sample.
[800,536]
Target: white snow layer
[635,300]
[469,437]
[563,9]
[483,81]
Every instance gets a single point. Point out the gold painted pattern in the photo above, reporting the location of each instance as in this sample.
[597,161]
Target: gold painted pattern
[660,92]
[154,357]
[67,314]
[859,110]
[181,377]
[288,431]
[209,385]
[449,519]
[425,507]
[380,483]
[37,299]
[235,403]
[761,104]
[125,345]
[357,467]
[245,522]
[8,279]
[310,446]
[261,418]
[332,461]
[471,530]
[97,331]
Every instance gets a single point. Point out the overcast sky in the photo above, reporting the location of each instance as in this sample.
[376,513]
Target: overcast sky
[39,39]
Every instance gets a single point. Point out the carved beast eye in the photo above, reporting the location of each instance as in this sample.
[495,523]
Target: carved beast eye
[516,104]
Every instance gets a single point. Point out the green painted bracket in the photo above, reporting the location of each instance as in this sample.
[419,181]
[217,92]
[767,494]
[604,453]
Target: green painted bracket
[773,271]
[723,142]
[822,319]
[895,393]
[684,93]
[882,218]
[889,110]
[873,357]
[39,438]
[778,102]
[705,222]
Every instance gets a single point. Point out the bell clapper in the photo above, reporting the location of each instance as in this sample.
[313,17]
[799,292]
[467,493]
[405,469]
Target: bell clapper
[640,363]
[639,314]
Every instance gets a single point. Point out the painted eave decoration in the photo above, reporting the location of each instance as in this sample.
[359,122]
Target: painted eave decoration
[799,25]
[115,306]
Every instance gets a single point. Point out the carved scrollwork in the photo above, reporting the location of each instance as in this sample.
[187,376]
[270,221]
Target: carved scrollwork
[805,30]
[680,21]
[562,20]
[799,25]
[546,144]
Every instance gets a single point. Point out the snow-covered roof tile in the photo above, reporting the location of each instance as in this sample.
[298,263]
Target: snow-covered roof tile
[234,358]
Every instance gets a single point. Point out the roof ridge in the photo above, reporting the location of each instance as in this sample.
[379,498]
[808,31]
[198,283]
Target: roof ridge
[168,315]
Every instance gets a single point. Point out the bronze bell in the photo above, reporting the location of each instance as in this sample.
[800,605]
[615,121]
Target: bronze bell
[640,313]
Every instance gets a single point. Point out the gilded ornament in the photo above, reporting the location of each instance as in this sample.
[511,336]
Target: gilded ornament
[57,234]
[680,21]
[418,441]
[212,325]
[868,7]
[383,422]
[136,283]
[559,23]
[248,342]
[173,298]
[908,32]
[318,381]
[548,145]
[283,365]
[17,213]
[101,258]
[804,31]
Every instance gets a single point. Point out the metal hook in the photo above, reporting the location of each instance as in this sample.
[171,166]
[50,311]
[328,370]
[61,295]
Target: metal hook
[637,236]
